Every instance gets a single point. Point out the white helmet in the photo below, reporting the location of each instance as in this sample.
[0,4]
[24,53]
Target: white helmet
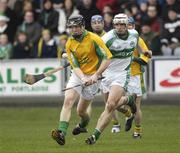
[120,18]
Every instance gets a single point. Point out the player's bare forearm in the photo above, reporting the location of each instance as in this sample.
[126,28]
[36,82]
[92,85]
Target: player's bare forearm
[105,63]
[78,72]
[94,78]
[85,80]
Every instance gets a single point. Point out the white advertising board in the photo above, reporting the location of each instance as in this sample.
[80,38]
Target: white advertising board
[166,75]
[12,74]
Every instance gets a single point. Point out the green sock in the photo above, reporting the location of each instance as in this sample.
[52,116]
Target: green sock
[130,100]
[97,133]
[84,121]
[63,125]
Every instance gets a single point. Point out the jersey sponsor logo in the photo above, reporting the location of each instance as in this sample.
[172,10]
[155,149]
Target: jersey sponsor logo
[123,54]
[169,83]
[84,60]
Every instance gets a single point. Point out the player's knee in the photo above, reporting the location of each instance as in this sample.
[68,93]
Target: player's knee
[110,106]
[68,102]
[81,112]
[122,101]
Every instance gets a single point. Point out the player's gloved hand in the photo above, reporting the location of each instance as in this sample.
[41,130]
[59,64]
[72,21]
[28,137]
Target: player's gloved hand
[139,60]
[148,53]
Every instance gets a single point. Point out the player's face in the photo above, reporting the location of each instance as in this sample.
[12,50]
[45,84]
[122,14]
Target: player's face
[120,28]
[97,26]
[3,39]
[131,26]
[76,30]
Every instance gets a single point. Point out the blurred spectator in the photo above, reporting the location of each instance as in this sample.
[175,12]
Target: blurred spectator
[156,4]
[107,9]
[140,15]
[160,2]
[5,28]
[5,47]
[68,10]
[170,37]
[11,4]
[112,3]
[108,21]
[152,18]
[138,2]
[143,10]
[23,6]
[151,38]
[135,12]
[46,47]
[12,24]
[58,4]
[28,6]
[170,4]
[38,5]
[22,48]
[29,26]
[87,9]
[61,46]
[49,18]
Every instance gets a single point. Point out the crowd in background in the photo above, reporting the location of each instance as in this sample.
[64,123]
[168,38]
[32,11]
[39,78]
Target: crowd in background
[37,28]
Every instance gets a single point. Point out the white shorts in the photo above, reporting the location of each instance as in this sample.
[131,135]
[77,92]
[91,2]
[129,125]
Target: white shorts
[136,85]
[117,78]
[86,92]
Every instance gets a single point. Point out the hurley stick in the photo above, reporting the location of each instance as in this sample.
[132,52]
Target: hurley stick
[80,85]
[31,79]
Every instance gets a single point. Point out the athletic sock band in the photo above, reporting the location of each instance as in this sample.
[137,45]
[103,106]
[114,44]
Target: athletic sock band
[63,126]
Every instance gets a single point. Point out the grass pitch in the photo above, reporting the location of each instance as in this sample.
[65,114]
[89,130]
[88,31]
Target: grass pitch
[27,130]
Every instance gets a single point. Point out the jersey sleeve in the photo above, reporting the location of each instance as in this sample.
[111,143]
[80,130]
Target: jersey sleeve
[143,48]
[134,33]
[101,49]
[108,38]
[142,44]
[105,37]
[71,56]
